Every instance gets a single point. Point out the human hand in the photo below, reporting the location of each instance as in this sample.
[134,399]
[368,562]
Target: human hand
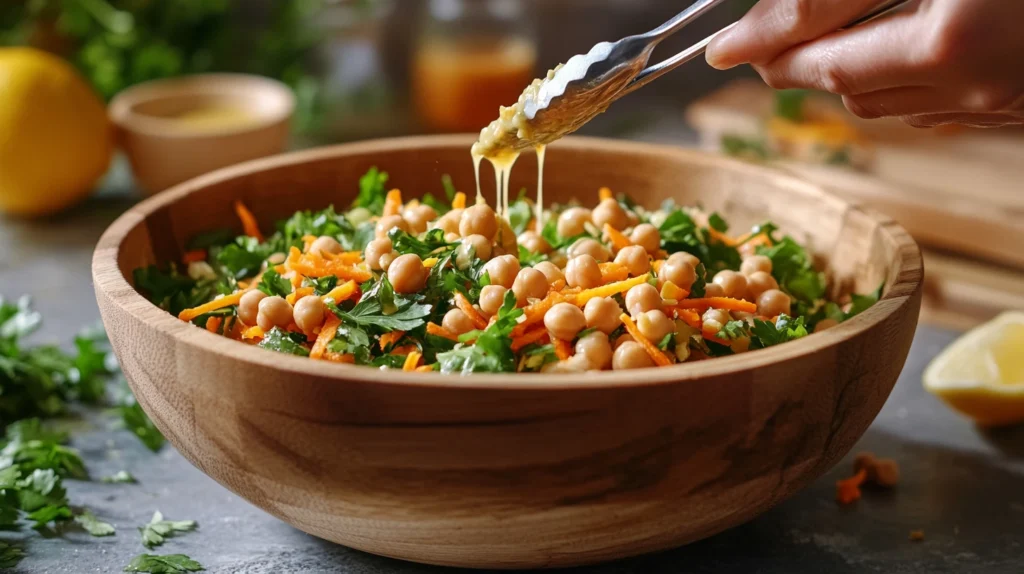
[940,62]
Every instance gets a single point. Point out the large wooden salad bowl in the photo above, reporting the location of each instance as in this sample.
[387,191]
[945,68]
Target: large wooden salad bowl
[513,470]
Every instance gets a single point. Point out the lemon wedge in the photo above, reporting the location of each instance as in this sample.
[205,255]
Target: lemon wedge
[982,373]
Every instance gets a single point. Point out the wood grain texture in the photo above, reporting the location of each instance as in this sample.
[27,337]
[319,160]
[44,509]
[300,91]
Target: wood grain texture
[513,471]
[960,190]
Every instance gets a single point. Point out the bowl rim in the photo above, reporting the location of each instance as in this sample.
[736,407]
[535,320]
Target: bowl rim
[110,282]
[122,112]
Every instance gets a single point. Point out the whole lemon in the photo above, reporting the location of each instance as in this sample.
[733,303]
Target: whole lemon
[55,138]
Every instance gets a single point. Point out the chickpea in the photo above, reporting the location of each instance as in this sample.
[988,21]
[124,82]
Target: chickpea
[274,312]
[564,321]
[583,271]
[647,236]
[720,316]
[277,258]
[492,297]
[550,270]
[602,313]
[825,324]
[529,284]
[419,217]
[248,306]
[388,222]
[596,349]
[559,259]
[683,256]
[642,298]
[534,243]
[609,211]
[622,339]
[571,221]
[478,220]
[733,284]
[679,272]
[773,302]
[502,270]
[452,237]
[756,263]
[325,244]
[407,273]
[712,326]
[505,239]
[472,246]
[377,249]
[635,259]
[574,364]
[199,270]
[654,325]
[449,222]
[456,321]
[386,260]
[758,282]
[591,247]
[631,355]
[309,313]
[713,290]
[358,215]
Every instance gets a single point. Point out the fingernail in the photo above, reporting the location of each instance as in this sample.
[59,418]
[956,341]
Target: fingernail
[719,52]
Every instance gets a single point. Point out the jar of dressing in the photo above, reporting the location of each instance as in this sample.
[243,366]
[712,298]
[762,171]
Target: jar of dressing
[472,56]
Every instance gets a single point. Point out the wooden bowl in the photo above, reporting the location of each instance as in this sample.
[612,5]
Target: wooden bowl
[163,152]
[513,470]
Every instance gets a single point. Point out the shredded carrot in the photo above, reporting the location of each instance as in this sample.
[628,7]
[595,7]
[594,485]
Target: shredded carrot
[726,303]
[459,201]
[604,193]
[439,331]
[315,266]
[425,369]
[326,335]
[563,349]
[307,242]
[404,350]
[390,338]
[656,264]
[213,324]
[613,272]
[296,280]
[249,224]
[617,239]
[430,262]
[194,256]
[712,336]
[478,320]
[412,361]
[721,237]
[529,338]
[654,352]
[342,292]
[299,293]
[346,358]
[225,301]
[690,317]
[393,203]
[672,291]
[534,313]
[610,289]
[558,285]
[253,333]
[848,490]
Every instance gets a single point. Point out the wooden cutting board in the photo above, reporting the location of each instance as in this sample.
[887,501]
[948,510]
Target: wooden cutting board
[960,294]
[958,190]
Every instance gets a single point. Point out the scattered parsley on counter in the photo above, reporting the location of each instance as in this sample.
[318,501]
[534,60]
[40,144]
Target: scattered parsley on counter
[93,525]
[167,564]
[158,529]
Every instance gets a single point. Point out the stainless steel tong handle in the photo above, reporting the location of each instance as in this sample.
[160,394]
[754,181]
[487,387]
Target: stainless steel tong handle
[698,9]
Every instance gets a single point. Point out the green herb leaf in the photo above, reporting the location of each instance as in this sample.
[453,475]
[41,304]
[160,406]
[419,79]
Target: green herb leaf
[93,525]
[794,270]
[432,244]
[520,212]
[245,257]
[734,330]
[32,448]
[273,284]
[120,477]
[861,303]
[158,529]
[321,286]
[768,334]
[137,421]
[736,146]
[10,555]
[166,564]
[492,350]
[211,239]
[372,191]
[449,187]
[789,104]
[284,342]
[716,222]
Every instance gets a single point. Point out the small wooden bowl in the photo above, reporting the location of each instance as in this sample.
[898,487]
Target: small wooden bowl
[513,470]
[164,153]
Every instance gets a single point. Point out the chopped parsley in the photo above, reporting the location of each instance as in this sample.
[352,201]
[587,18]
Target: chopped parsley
[158,530]
[166,564]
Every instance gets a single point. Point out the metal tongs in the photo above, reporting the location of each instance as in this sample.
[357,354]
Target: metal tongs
[587,84]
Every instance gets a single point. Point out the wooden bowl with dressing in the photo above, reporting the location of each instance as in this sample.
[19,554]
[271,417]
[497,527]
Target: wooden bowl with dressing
[173,130]
[512,471]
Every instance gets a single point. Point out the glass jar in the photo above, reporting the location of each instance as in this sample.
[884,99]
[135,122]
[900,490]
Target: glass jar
[472,56]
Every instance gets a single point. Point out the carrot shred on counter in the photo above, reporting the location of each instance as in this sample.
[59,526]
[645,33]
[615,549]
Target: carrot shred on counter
[654,352]
[478,320]
[249,224]
[529,338]
[610,289]
[439,331]
[194,256]
[459,201]
[225,301]
[412,360]
[393,203]
[848,490]
[613,272]
[690,317]
[213,324]
[605,193]
[618,240]
[390,338]
[726,303]
[252,333]
[299,293]
[346,358]
[563,349]
[326,335]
